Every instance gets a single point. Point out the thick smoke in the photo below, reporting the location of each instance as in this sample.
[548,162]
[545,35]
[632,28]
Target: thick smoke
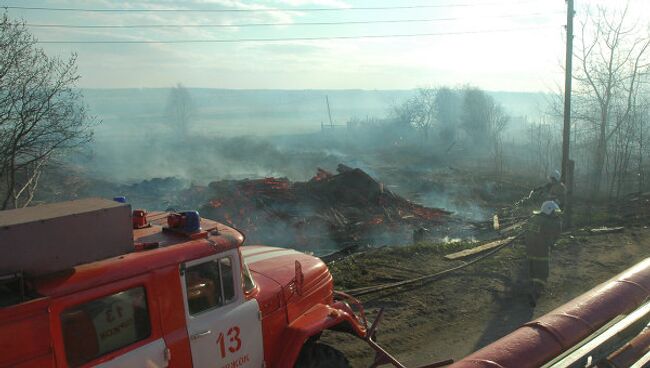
[236,134]
[140,152]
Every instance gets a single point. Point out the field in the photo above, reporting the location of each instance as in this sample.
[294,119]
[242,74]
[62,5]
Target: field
[453,316]
[456,315]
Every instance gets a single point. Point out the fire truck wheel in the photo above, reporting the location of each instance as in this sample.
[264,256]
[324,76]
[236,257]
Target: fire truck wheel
[317,355]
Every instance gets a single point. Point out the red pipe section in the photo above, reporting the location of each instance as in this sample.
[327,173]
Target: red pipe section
[632,351]
[541,340]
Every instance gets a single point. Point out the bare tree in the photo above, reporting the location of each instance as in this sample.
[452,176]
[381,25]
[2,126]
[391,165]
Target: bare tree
[642,115]
[484,120]
[543,145]
[41,113]
[497,122]
[180,108]
[447,106]
[474,118]
[612,61]
[418,112]
[452,112]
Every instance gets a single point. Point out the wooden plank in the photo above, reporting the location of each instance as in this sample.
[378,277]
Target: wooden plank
[480,248]
[607,230]
[514,227]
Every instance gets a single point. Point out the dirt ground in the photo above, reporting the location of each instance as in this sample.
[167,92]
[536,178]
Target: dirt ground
[454,316]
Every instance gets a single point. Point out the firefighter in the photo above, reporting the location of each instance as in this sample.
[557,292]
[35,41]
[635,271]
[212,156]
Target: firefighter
[555,190]
[543,230]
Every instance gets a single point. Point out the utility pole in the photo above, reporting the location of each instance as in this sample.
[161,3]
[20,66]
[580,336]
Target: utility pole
[327,100]
[567,89]
[567,165]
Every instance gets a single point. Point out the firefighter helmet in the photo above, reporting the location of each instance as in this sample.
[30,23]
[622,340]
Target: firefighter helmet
[549,207]
[555,175]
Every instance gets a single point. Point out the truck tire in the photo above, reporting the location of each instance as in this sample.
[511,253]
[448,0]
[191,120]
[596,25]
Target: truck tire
[317,355]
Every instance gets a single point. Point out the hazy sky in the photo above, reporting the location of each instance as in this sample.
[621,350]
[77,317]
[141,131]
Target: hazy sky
[515,45]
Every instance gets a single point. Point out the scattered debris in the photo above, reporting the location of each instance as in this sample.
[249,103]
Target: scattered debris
[606,230]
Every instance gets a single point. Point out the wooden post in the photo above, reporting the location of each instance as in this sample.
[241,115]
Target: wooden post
[568,206]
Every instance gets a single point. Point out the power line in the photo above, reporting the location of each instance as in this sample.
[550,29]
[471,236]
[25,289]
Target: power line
[245,25]
[238,40]
[233,10]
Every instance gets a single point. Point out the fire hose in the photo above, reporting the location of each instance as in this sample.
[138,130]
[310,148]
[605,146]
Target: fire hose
[426,278]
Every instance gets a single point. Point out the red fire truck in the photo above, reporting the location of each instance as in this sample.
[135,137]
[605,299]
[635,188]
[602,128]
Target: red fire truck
[91,283]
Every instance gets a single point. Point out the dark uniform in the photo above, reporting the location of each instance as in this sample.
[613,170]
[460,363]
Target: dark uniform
[542,233]
[552,191]
[556,192]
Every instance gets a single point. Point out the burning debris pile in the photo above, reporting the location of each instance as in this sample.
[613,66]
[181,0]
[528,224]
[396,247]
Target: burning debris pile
[330,211]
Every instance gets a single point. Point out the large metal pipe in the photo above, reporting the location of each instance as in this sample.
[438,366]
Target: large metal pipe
[541,340]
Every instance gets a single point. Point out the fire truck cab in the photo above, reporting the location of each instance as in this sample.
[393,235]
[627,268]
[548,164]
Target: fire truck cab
[185,294]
